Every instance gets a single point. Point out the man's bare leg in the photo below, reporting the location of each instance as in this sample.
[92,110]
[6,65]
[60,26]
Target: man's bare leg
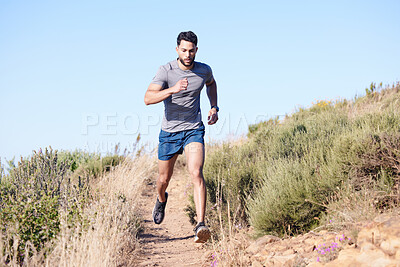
[165,170]
[195,160]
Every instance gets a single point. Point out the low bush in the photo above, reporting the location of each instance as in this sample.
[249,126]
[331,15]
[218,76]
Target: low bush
[293,172]
[90,165]
[32,196]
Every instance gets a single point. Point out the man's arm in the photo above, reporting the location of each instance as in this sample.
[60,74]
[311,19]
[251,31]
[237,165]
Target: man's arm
[155,94]
[212,96]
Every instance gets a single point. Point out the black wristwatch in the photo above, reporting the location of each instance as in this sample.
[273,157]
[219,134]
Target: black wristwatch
[216,107]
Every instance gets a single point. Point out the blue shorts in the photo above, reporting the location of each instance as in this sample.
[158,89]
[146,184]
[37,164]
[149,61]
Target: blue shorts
[174,143]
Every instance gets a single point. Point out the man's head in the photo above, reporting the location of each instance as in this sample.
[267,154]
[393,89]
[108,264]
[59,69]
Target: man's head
[187,36]
[187,48]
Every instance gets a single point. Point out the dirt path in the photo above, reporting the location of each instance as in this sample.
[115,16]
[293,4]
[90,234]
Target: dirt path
[170,243]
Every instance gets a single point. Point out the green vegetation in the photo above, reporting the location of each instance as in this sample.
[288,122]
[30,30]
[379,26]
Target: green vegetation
[40,192]
[91,165]
[285,178]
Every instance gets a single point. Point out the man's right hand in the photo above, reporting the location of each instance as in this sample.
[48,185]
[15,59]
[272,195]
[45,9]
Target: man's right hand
[180,86]
[156,94]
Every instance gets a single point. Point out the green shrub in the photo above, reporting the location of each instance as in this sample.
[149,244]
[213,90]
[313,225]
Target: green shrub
[293,170]
[371,160]
[229,173]
[90,165]
[279,206]
[36,221]
[77,158]
[32,196]
[96,166]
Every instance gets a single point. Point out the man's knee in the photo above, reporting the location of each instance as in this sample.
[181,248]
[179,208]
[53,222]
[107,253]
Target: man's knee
[197,177]
[164,178]
[196,173]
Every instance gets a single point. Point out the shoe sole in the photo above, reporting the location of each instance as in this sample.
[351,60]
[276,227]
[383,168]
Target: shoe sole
[154,209]
[202,235]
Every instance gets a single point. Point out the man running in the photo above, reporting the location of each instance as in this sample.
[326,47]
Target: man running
[179,83]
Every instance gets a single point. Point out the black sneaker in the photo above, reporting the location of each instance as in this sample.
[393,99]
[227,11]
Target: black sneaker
[159,210]
[202,233]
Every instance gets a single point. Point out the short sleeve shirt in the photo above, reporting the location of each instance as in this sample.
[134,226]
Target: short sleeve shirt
[182,110]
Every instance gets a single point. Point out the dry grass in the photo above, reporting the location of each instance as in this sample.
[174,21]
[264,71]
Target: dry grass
[230,251]
[349,206]
[375,102]
[108,235]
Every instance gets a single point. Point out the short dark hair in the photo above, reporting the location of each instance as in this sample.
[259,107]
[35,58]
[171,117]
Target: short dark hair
[187,36]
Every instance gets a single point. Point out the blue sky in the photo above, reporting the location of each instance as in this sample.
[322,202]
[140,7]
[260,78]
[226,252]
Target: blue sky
[73,73]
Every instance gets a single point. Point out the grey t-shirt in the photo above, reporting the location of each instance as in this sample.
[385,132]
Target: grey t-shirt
[182,110]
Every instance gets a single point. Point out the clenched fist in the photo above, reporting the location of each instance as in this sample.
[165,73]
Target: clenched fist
[180,85]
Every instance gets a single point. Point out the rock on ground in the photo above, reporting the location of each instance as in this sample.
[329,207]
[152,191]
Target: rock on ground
[377,244]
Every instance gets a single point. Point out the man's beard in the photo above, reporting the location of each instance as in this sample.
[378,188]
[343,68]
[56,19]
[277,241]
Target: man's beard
[185,64]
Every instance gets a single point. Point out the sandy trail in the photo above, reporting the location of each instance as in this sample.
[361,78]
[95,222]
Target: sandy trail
[172,242]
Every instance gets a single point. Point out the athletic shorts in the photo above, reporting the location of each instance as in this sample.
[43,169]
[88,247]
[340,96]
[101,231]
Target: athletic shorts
[174,143]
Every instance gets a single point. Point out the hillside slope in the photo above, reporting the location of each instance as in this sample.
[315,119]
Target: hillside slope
[324,167]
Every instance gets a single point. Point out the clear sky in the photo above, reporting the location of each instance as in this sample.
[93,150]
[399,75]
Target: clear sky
[73,73]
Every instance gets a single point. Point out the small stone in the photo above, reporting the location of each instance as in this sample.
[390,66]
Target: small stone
[288,252]
[271,239]
[367,247]
[280,248]
[309,241]
[301,250]
[348,254]
[253,248]
[330,237]
[260,243]
[285,260]
[388,248]
[380,262]
[369,258]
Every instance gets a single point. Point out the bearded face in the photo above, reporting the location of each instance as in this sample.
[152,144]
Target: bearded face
[186,53]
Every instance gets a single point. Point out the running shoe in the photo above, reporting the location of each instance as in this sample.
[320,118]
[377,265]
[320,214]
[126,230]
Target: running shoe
[202,233]
[159,210]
